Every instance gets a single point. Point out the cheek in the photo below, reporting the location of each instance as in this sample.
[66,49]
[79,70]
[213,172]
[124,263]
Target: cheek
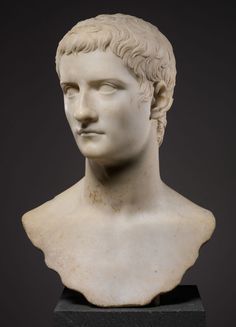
[66,109]
[135,115]
[138,123]
[68,113]
[128,120]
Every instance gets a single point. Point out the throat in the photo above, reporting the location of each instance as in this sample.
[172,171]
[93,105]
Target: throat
[129,188]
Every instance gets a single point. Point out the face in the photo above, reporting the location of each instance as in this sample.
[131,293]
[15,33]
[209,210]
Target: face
[108,119]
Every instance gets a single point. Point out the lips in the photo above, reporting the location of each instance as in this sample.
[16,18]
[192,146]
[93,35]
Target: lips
[88,131]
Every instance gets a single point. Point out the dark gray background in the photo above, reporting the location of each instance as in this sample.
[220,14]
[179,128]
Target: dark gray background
[39,158]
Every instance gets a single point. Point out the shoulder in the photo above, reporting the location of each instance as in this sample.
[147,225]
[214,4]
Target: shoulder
[200,219]
[38,221]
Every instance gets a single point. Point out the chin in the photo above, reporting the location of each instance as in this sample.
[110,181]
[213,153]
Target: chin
[92,152]
[104,154]
[101,158]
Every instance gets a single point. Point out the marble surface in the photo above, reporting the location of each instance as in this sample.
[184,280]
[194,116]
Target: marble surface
[120,235]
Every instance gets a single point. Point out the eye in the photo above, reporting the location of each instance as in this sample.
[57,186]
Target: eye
[70,91]
[107,88]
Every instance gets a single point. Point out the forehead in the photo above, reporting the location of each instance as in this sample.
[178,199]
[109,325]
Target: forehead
[94,65]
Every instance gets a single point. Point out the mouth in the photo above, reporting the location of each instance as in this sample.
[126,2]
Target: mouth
[88,132]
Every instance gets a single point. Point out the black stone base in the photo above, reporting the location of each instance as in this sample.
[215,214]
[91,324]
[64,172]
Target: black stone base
[181,307]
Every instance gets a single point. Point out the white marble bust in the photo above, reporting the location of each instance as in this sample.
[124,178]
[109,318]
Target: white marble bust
[120,235]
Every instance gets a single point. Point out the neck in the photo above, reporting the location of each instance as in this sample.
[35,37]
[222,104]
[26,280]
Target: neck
[130,187]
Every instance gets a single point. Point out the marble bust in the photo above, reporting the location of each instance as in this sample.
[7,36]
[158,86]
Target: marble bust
[120,235]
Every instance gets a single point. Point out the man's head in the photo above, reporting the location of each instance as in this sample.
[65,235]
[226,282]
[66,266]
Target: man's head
[144,50]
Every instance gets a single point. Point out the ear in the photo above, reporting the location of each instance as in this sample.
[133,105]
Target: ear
[161,102]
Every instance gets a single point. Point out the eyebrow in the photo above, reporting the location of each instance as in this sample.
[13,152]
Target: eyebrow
[111,80]
[96,82]
[68,83]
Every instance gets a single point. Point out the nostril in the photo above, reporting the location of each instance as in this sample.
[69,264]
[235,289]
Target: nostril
[84,124]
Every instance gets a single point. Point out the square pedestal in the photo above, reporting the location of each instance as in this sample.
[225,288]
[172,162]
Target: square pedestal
[182,307]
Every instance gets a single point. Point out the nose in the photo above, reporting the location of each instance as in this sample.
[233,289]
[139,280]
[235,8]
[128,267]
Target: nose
[85,112]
